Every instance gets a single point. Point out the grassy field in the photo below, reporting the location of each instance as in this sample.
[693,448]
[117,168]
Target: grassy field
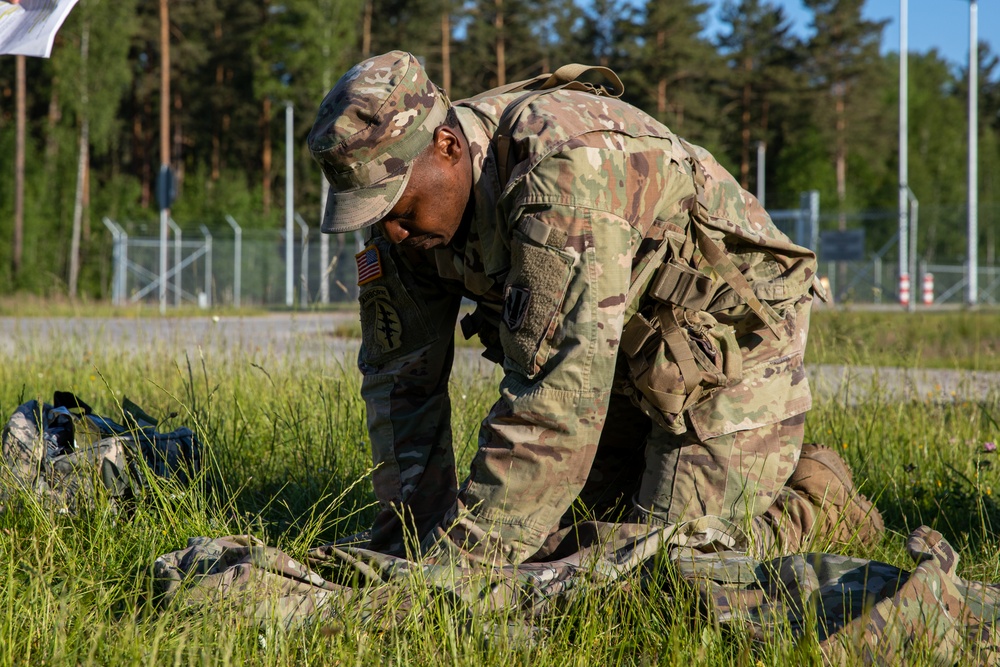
[285,441]
[933,339]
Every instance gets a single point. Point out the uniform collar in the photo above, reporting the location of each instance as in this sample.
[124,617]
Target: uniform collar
[485,189]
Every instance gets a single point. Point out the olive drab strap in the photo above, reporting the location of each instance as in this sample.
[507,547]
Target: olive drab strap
[731,273]
[679,348]
[717,257]
[566,77]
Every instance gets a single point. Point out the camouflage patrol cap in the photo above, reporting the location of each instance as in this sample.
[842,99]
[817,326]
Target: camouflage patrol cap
[369,128]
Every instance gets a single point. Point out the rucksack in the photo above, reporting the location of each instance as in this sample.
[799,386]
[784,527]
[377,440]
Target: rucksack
[63,453]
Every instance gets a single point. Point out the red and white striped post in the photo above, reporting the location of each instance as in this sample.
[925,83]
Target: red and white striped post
[904,289]
[928,289]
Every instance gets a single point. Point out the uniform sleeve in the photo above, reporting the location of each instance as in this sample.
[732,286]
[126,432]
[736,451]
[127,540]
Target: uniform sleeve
[408,325]
[564,302]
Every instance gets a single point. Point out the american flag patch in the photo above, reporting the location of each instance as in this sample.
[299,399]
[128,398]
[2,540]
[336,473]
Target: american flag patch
[369,265]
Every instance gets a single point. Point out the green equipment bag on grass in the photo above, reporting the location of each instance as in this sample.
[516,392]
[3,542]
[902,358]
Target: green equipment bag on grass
[63,452]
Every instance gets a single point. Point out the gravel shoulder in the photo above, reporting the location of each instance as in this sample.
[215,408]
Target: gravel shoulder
[311,335]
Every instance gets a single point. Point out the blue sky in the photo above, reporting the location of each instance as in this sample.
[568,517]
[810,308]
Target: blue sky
[940,24]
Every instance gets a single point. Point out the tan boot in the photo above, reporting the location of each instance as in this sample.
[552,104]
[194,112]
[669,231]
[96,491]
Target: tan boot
[844,514]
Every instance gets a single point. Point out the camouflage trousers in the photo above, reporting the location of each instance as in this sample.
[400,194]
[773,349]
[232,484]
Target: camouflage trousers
[722,492]
[727,492]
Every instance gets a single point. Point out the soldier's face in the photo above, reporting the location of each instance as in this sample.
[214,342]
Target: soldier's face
[432,207]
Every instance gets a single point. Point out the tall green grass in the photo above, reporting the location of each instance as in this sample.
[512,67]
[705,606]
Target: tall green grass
[285,443]
[968,339]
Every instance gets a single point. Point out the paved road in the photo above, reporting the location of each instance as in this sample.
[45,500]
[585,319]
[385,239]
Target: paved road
[313,336]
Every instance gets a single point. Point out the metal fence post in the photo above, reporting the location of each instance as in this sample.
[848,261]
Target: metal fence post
[116,260]
[237,258]
[123,276]
[178,258]
[324,275]
[208,263]
[912,245]
[877,270]
[814,219]
[304,261]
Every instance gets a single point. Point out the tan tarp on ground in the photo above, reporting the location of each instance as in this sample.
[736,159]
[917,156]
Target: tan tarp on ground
[859,609]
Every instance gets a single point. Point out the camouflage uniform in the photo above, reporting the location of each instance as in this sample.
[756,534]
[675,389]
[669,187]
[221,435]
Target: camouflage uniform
[574,194]
[860,611]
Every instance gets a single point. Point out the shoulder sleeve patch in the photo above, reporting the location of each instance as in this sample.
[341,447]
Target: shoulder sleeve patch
[369,265]
[396,318]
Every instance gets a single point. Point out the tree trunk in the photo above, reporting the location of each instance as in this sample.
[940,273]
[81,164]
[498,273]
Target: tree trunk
[81,175]
[501,53]
[265,161]
[20,122]
[366,31]
[446,50]
[142,157]
[841,156]
[216,130]
[81,169]
[51,141]
[661,83]
[745,132]
[177,155]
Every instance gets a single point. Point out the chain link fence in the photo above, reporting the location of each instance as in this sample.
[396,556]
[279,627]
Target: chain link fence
[228,266]
[233,267]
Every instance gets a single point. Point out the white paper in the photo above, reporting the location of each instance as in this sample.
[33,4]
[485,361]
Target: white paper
[29,28]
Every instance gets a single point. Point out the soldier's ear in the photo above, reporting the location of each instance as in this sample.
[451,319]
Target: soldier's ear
[447,143]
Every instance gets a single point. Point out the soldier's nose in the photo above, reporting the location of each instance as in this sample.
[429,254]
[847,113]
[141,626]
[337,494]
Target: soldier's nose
[393,232]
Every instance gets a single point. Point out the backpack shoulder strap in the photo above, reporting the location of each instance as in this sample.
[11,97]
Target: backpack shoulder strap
[566,77]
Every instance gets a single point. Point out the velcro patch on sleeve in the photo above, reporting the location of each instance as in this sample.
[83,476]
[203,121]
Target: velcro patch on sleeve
[369,265]
[515,305]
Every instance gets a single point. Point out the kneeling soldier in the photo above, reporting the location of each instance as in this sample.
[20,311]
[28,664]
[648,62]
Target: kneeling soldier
[650,319]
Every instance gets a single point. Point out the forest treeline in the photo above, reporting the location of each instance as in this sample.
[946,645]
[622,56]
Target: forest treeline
[825,105]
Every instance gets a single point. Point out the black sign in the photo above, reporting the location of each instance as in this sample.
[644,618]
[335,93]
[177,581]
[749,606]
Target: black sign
[842,246]
[166,191]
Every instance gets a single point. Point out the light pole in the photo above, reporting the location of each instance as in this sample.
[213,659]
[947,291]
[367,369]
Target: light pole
[164,147]
[972,281]
[289,233]
[904,236]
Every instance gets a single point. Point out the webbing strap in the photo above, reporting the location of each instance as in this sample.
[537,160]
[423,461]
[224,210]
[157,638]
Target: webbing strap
[680,350]
[638,286]
[718,257]
[731,273]
[566,77]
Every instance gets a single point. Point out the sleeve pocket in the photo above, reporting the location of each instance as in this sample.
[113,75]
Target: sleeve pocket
[533,297]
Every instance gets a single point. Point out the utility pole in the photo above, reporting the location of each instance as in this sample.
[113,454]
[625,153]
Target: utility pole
[904,200]
[164,147]
[972,295]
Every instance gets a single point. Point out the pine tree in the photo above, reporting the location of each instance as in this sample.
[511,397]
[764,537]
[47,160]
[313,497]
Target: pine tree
[94,76]
[843,59]
[500,45]
[762,81]
[606,28]
[674,68]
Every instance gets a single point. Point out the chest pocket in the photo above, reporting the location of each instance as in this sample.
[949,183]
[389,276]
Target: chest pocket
[393,323]
[533,294]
